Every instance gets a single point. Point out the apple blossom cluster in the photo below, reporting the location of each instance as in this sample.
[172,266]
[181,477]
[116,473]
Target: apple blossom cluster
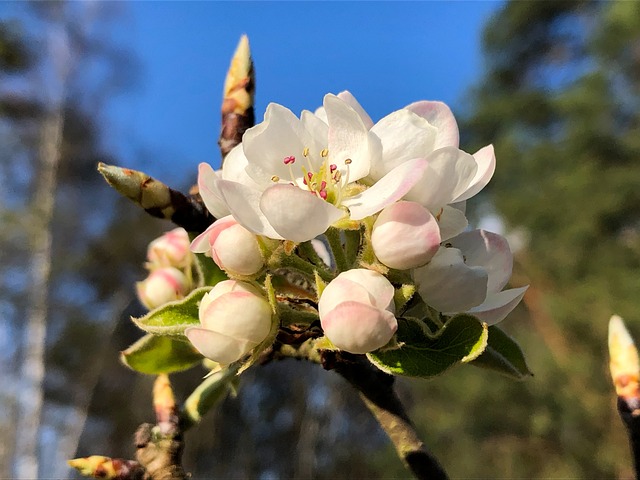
[169,262]
[372,215]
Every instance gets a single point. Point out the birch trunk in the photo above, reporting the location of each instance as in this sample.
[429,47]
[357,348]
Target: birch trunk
[33,366]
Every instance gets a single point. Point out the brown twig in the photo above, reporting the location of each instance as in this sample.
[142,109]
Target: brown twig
[376,390]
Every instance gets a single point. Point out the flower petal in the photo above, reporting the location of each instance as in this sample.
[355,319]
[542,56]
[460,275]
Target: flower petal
[321,113]
[349,138]
[353,103]
[209,192]
[358,328]
[449,172]
[404,135]
[448,284]
[234,168]
[267,144]
[341,290]
[297,214]
[440,116]
[486,160]
[498,305]
[380,289]
[217,347]
[489,251]
[244,203]
[202,243]
[240,315]
[451,221]
[390,188]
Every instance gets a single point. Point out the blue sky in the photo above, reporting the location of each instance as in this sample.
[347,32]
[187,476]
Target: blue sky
[388,54]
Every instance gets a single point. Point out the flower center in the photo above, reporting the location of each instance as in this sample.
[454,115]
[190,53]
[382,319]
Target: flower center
[326,182]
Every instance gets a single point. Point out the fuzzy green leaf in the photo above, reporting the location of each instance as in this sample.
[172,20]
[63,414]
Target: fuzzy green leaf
[174,317]
[154,354]
[424,355]
[503,355]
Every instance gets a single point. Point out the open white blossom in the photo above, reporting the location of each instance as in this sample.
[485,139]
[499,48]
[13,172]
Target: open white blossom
[468,275]
[291,178]
[428,130]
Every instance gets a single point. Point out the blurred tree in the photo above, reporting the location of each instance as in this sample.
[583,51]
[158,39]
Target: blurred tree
[559,100]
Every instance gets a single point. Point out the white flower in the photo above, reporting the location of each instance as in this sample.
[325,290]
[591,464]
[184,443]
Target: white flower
[428,130]
[163,285]
[356,311]
[293,178]
[405,235]
[234,319]
[234,248]
[468,275]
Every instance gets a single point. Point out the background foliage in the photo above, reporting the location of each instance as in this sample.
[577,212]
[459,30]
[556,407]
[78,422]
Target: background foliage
[559,99]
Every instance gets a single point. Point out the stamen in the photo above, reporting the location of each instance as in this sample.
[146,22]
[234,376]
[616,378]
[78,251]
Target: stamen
[324,153]
[305,152]
[333,167]
[289,160]
[275,179]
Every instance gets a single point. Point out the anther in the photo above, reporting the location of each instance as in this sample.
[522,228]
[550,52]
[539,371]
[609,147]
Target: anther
[275,179]
[348,161]
[324,152]
[305,152]
[289,160]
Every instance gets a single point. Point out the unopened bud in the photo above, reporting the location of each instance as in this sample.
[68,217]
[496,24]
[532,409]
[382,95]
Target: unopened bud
[405,235]
[162,286]
[170,250]
[235,317]
[234,248]
[356,311]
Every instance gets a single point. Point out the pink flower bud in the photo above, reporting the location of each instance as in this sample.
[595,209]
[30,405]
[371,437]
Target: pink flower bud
[234,318]
[357,311]
[405,235]
[234,248]
[170,250]
[163,285]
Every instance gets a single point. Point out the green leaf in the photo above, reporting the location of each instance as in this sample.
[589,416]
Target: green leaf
[424,355]
[503,355]
[172,318]
[208,272]
[153,354]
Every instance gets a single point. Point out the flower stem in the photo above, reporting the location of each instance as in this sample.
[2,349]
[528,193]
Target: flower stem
[335,243]
[294,261]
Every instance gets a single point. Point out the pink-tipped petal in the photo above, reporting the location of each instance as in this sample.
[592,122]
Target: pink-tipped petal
[297,214]
[240,315]
[217,347]
[339,291]
[358,328]
[440,116]
[498,305]
[380,289]
[202,244]
[390,188]
[489,251]
[486,160]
